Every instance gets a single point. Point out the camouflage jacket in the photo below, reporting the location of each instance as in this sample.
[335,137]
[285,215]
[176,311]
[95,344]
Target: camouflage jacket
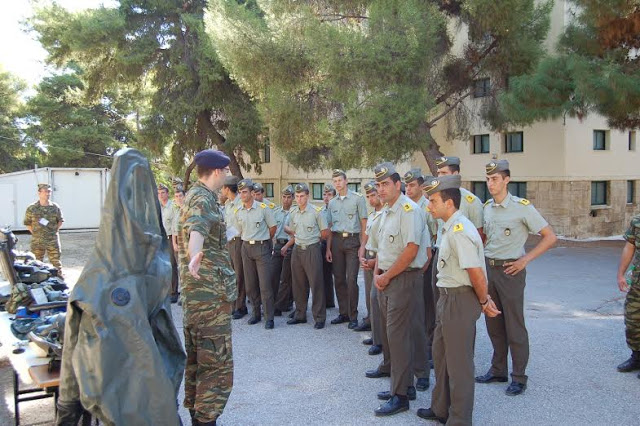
[44,220]
[633,236]
[201,212]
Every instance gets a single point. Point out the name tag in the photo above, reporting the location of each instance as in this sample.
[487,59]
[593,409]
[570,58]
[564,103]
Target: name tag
[43,222]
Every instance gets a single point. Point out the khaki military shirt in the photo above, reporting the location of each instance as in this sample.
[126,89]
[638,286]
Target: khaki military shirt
[44,220]
[400,225]
[432,224]
[470,207]
[176,219]
[372,229]
[507,226]
[460,249]
[306,224]
[281,215]
[254,222]
[201,212]
[344,213]
[230,208]
[167,211]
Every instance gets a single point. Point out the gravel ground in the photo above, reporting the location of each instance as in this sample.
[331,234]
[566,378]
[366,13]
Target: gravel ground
[298,375]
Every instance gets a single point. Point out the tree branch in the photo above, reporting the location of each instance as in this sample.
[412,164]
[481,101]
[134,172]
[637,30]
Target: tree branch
[448,109]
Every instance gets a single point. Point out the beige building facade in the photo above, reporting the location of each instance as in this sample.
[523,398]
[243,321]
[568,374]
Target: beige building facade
[581,175]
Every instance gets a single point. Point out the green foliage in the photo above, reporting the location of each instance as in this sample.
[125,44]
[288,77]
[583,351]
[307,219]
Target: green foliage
[73,132]
[597,69]
[349,83]
[159,48]
[14,153]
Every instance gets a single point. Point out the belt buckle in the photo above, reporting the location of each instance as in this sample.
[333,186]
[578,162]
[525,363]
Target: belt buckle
[252,242]
[492,262]
[303,247]
[372,253]
[345,234]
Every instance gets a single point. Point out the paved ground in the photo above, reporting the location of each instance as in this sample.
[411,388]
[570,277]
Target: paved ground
[298,375]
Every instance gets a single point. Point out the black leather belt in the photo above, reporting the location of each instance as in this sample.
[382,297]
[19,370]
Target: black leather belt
[282,241]
[346,234]
[304,247]
[451,290]
[234,239]
[499,262]
[406,270]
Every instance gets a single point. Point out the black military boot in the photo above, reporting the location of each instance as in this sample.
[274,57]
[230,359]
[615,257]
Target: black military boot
[194,421]
[631,364]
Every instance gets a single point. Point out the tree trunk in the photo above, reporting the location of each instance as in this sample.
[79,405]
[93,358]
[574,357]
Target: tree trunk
[430,150]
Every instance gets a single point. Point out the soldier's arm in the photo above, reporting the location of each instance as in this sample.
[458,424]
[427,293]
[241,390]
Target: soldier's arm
[402,262]
[196,241]
[272,231]
[548,240]
[625,260]
[28,220]
[479,283]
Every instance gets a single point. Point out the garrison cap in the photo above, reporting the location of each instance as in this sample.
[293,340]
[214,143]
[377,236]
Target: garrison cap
[288,190]
[441,183]
[426,179]
[43,186]
[231,180]
[412,175]
[176,180]
[212,159]
[496,166]
[329,188]
[245,183]
[162,186]
[447,161]
[338,172]
[258,187]
[370,187]
[302,187]
[383,171]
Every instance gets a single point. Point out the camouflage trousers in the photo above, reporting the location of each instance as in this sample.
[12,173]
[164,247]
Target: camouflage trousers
[209,372]
[50,246]
[632,316]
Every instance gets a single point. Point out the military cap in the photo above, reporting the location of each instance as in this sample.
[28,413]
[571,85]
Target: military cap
[447,161]
[231,180]
[496,166]
[257,186]
[338,172]
[288,190]
[43,186]
[426,179]
[383,171]
[441,183]
[412,175]
[176,180]
[302,187]
[212,159]
[162,186]
[329,188]
[370,187]
[245,183]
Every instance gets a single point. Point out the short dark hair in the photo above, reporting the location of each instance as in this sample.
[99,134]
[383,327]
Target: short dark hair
[179,189]
[203,171]
[233,187]
[452,194]
[420,180]
[454,168]
[504,173]
[395,177]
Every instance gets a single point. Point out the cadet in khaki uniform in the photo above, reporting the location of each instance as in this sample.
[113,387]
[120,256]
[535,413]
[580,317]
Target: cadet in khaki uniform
[347,216]
[257,226]
[233,203]
[462,284]
[281,256]
[508,221]
[168,211]
[258,194]
[307,226]
[327,272]
[397,272]
[44,219]
[419,340]
[373,321]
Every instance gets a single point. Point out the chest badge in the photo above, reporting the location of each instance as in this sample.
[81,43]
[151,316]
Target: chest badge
[441,264]
[309,228]
[391,238]
[350,216]
[507,232]
[257,224]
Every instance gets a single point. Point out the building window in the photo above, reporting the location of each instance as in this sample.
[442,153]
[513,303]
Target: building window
[631,189]
[355,187]
[266,154]
[316,190]
[268,189]
[481,190]
[599,193]
[514,142]
[599,140]
[632,140]
[519,189]
[481,144]
[481,87]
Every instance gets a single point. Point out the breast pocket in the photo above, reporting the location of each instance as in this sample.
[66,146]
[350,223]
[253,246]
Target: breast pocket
[444,257]
[393,236]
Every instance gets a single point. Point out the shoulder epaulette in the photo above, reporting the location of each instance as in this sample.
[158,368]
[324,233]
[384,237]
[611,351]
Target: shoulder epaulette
[458,227]
[263,205]
[427,209]
[318,209]
[271,205]
[470,198]
[524,202]
[407,207]
[357,193]
[235,210]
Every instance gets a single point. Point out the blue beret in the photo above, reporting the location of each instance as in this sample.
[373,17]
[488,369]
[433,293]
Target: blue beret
[212,159]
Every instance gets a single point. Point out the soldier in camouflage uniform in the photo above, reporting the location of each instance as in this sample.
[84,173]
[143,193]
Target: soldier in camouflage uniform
[208,291]
[43,219]
[631,253]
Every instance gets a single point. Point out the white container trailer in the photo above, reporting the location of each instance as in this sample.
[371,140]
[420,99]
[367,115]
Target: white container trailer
[79,192]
